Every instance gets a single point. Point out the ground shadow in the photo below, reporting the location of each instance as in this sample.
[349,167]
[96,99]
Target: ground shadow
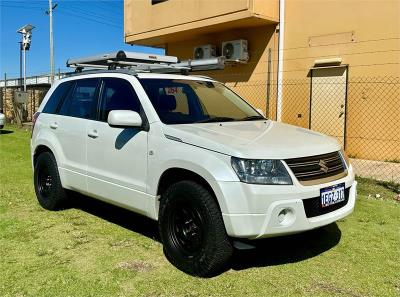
[267,252]
[116,215]
[287,249]
[6,131]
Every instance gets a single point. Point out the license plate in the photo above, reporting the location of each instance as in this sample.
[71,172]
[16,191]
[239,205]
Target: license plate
[332,195]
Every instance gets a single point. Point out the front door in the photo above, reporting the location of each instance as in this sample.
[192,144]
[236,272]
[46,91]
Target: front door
[328,101]
[117,157]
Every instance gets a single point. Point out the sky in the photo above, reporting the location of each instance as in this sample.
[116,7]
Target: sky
[81,28]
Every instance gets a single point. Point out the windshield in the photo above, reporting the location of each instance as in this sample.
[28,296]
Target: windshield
[180,101]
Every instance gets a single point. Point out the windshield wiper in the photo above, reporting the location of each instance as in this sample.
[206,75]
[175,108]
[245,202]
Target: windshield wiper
[216,119]
[253,118]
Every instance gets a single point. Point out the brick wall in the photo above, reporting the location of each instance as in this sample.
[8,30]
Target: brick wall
[35,97]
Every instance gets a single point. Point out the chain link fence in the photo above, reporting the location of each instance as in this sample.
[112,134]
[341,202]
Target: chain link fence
[362,113]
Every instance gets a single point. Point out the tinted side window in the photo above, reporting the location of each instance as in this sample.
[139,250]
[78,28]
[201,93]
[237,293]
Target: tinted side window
[81,102]
[56,98]
[117,94]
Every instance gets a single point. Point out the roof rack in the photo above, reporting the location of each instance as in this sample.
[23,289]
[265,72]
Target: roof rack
[139,62]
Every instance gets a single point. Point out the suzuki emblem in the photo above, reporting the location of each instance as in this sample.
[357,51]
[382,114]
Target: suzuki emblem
[322,165]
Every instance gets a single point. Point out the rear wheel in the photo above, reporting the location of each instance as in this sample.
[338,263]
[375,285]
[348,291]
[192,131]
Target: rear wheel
[48,188]
[192,230]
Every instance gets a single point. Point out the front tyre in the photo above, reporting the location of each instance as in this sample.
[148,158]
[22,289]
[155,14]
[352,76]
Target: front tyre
[48,188]
[192,230]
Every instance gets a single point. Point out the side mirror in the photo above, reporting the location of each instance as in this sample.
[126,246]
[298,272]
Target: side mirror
[124,118]
[260,111]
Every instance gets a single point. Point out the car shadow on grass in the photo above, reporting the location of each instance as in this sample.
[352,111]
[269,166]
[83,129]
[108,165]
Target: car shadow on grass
[287,249]
[267,252]
[116,215]
[6,132]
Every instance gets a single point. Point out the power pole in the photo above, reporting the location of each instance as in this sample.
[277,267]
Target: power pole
[20,66]
[50,13]
[24,63]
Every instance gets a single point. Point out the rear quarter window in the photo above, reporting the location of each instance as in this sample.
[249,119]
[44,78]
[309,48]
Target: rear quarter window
[81,101]
[57,97]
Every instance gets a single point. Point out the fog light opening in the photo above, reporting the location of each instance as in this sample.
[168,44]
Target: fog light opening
[282,215]
[286,216]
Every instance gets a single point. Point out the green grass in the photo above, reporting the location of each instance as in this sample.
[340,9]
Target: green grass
[95,249]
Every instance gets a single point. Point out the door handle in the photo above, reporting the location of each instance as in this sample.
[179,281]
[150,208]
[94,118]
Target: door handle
[54,125]
[93,134]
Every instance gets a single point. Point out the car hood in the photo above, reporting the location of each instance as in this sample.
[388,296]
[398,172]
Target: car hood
[254,139]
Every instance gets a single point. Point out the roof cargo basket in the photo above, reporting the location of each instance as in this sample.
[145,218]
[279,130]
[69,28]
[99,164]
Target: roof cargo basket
[140,62]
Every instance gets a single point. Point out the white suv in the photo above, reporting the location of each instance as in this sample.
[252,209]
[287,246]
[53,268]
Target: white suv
[190,153]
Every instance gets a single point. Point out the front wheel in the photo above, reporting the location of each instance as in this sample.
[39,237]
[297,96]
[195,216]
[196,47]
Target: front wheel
[192,230]
[48,188]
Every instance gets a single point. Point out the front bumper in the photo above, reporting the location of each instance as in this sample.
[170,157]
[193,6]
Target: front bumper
[254,209]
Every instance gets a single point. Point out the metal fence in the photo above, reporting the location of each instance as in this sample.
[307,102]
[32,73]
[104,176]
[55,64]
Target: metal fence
[362,113]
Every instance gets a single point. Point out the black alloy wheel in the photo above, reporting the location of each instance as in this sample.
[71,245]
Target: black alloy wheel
[192,230]
[48,188]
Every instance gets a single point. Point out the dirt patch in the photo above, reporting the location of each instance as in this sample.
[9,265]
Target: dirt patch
[121,244]
[136,266]
[336,290]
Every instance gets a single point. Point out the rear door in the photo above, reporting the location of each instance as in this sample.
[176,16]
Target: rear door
[70,125]
[117,157]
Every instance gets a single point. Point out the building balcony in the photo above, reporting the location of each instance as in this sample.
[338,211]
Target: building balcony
[157,23]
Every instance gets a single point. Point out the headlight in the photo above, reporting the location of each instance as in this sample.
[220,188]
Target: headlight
[265,172]
[345,157]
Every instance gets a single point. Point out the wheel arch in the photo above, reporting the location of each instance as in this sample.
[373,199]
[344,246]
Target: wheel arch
[176,174]
[41,149]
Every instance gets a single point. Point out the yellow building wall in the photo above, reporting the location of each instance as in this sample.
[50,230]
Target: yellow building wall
[180,25]
[248,80]
[366,35]
[144,21]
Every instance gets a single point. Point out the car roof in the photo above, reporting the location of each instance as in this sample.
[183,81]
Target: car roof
[172,76]
[140,75]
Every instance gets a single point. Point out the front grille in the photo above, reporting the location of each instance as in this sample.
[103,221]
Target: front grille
[317,167]
[313,208]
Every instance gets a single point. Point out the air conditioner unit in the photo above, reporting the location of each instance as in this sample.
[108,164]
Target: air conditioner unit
[235,50]
[207,51]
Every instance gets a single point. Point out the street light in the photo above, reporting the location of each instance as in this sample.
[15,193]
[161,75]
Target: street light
[26,32]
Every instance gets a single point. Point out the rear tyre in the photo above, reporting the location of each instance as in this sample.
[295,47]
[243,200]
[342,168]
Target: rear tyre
[48,188]
[192,230]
